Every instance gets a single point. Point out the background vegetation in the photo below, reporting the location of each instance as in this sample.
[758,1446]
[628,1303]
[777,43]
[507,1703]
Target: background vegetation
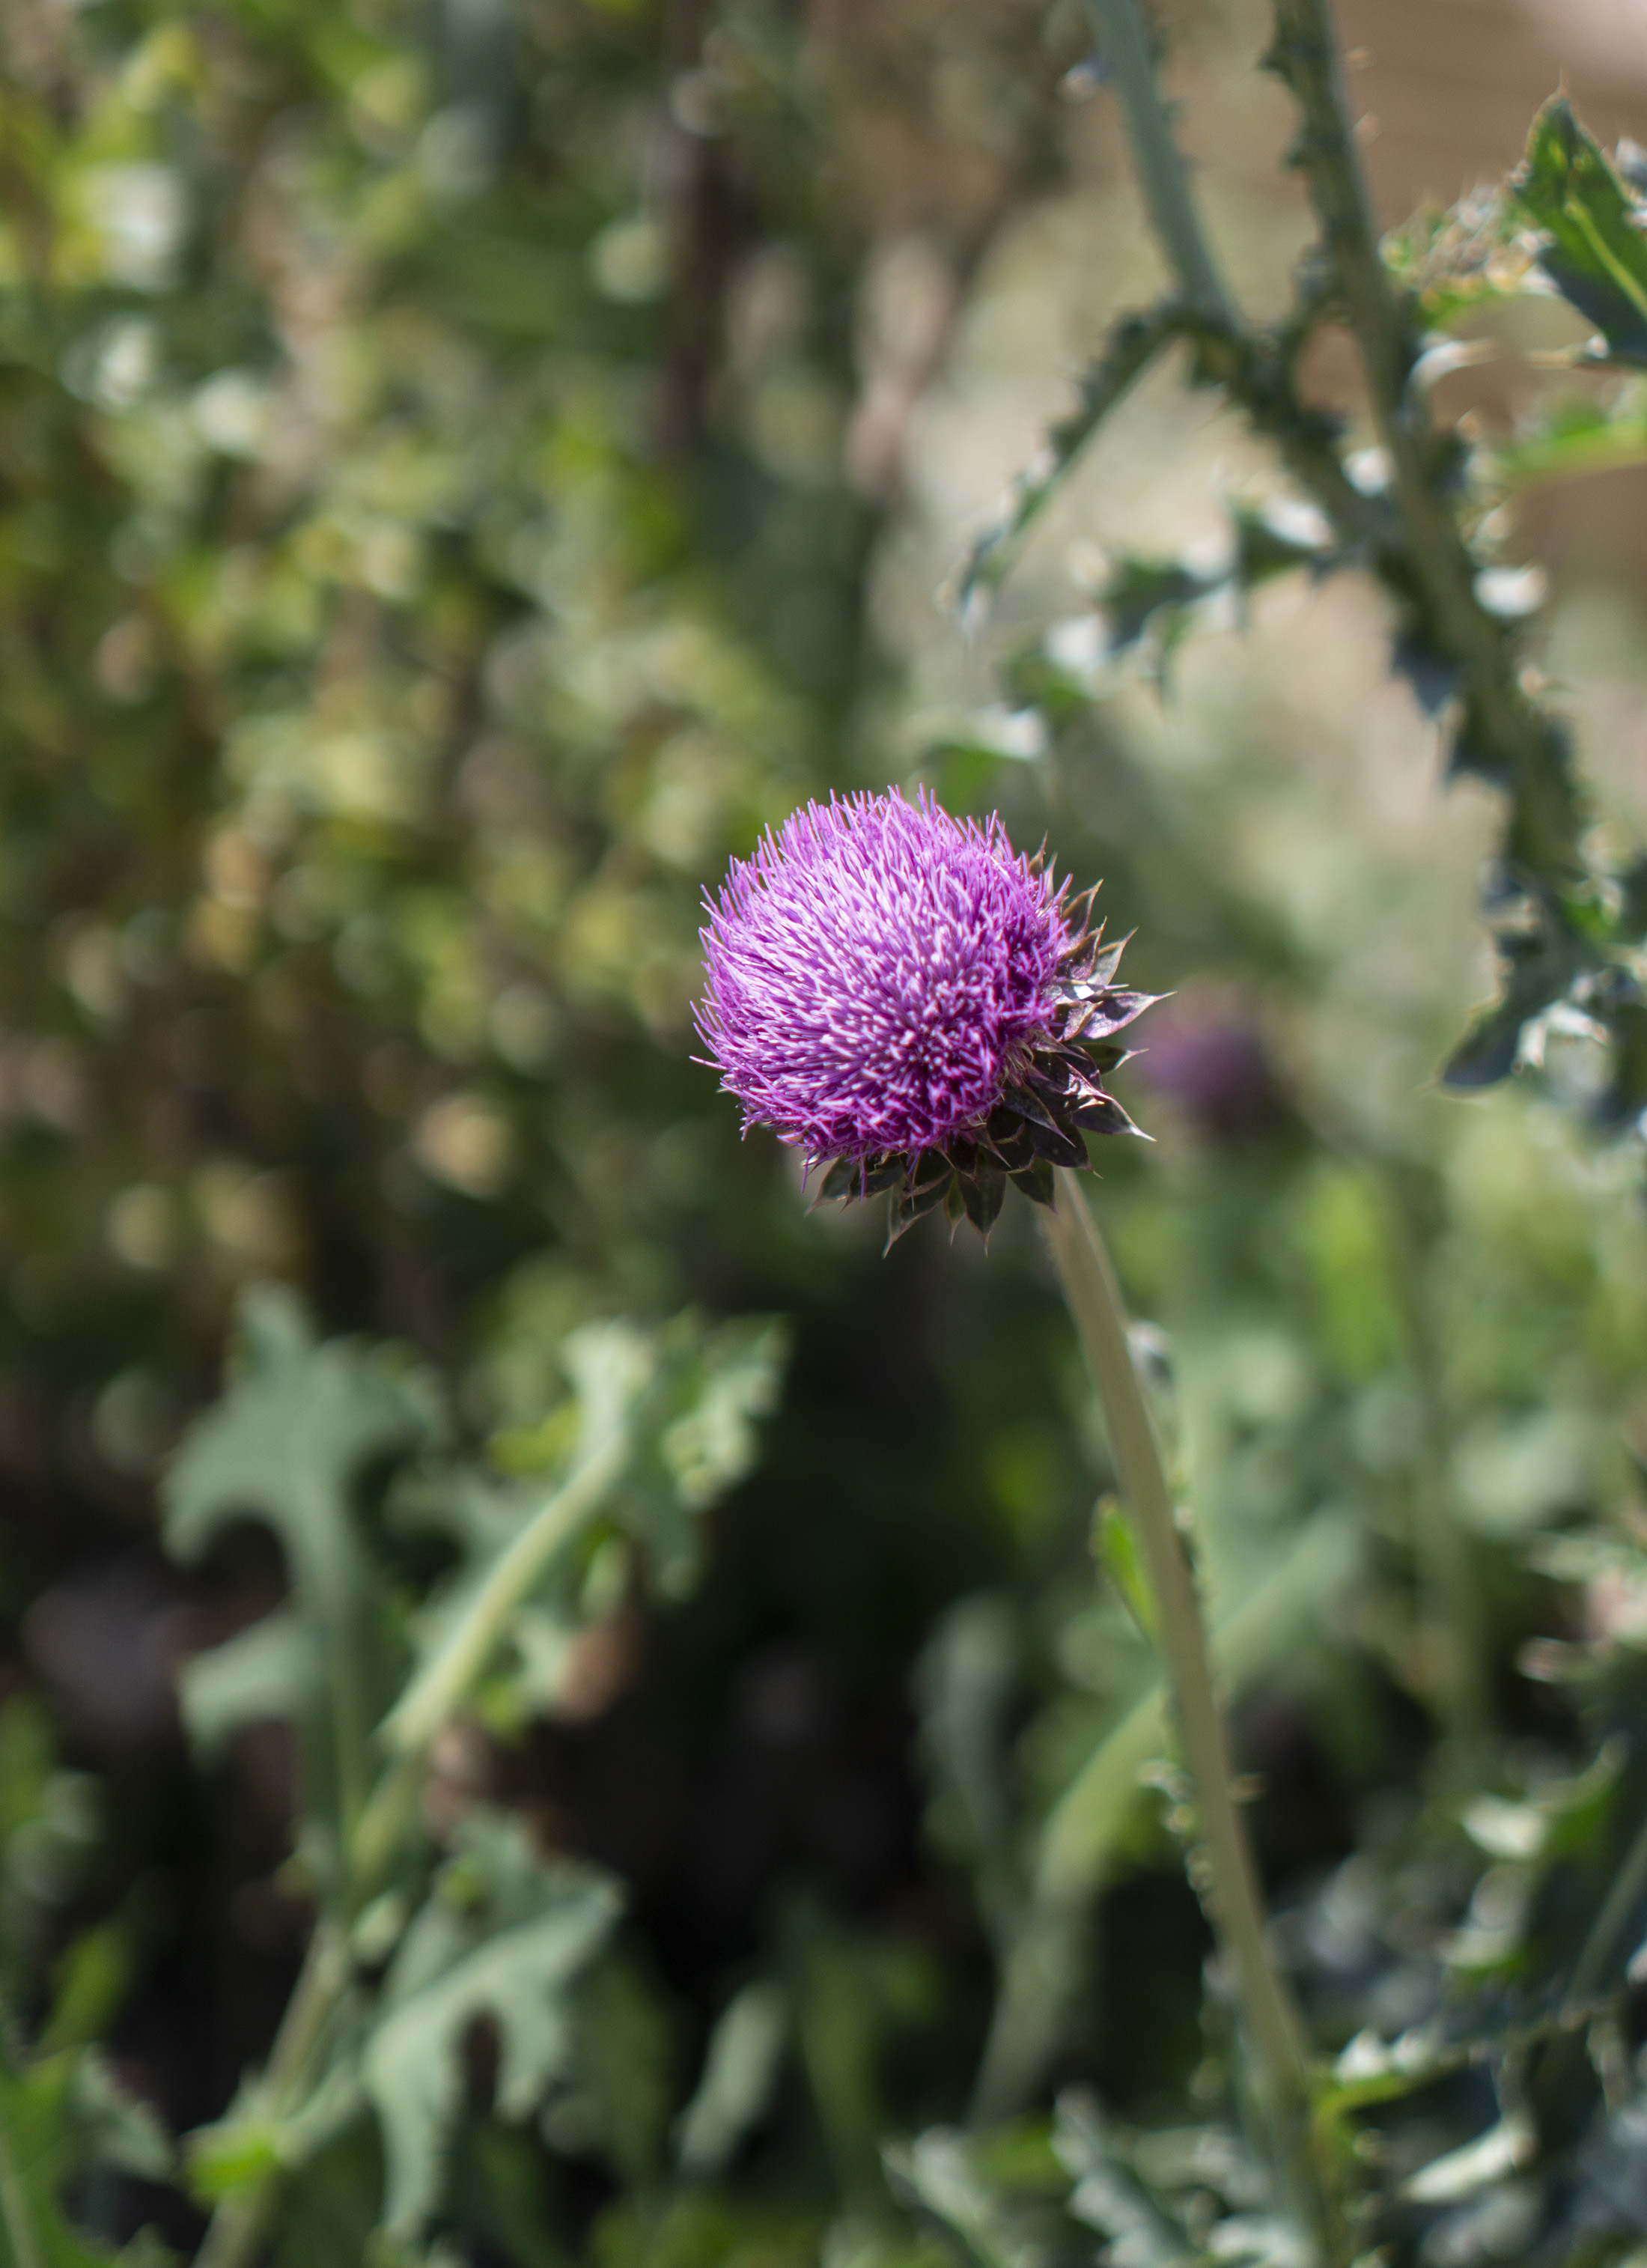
[464,469]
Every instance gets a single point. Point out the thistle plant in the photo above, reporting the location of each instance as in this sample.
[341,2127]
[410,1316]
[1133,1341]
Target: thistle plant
[917,1006]
[923,1010]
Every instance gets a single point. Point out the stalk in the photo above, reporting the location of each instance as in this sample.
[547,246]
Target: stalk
[1275,2036]
[237,2228]
[15,2220]
[1547,818]
[1254,368]
[1161,175]
[439,1687]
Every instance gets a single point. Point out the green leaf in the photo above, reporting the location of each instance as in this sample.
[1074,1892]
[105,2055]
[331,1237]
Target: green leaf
[115,2127]
[938,2173]
[664,1422]
[267,1671]
[965,1682]
[53,2119]
[740,2070]
[1574,437]
[1116,1544]
[623,2052]
[1130,349]
[1596,254]
[731,1380]
[1109,2195]
[497,2188]
[235,2153]
[1465,256]
[90,1982]
[289,1444]
[850,1991]
[512,1957]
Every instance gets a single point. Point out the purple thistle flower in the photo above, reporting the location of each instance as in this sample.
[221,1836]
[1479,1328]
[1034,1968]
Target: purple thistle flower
[899,991]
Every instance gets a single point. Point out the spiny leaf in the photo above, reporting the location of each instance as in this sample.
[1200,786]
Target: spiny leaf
[1596,255]
[1458,258]
[955,1204]
[842,1179]
[288,1443]
[54,2120]
[512,1959]
[912,1204]
[1035,1182]
[1538,971]
[1131,347]
[1101,1114]
[1057,1146]
[659,1424]
[984,1193]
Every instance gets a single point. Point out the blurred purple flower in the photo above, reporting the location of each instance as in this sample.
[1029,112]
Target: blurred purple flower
[1208,1058]
[900,992]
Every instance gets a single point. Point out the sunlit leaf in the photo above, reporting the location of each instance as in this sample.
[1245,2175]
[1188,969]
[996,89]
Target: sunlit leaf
[1596,253]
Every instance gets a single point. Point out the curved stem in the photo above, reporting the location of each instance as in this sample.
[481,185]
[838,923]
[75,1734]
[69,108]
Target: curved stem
[238,2226]
[1275,2035]
[1547,817]
[1161,175]
[446,1680]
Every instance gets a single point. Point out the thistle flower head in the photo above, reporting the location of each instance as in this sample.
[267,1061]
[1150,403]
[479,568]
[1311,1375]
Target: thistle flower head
[899,993]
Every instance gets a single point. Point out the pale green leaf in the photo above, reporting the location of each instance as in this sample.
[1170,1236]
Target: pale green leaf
[741,2069]
[268,1671]
[288,1443]
[512,1958]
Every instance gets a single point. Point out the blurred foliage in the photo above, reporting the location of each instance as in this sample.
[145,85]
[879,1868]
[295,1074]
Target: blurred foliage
[494,1779]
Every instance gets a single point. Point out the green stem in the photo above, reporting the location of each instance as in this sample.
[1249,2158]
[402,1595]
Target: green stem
[351,1721]
[1275,2035]
[1450,1606]
[1086,1823]
[1547,817]
[1254,368]
[238,2226]
[439,1687]
[1120,34]
[382,1825]
[1601,1948]
[15,2218]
